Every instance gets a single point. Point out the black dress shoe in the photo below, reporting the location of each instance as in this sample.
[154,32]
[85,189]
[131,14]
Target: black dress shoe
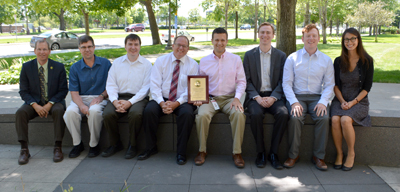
[131,152]
[76,151]
[261,160]
[148,153]
[273,158]
[181,159]
[94,151]
[112,150]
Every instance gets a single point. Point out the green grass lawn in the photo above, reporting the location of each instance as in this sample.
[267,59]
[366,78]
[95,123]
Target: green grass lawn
[386,60]
[107,53]
[13,40]
[232,42]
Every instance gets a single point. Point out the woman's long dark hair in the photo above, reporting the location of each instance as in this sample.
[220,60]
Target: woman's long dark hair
[364,56]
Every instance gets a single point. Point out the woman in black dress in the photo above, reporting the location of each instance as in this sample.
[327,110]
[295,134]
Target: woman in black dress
[354,71]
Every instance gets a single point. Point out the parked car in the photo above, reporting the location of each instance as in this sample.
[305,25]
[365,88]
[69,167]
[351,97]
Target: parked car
[245,26]
[135,27]
[57,39]
[185,33]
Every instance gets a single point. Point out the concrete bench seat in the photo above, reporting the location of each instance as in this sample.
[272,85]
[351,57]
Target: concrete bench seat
[375,145]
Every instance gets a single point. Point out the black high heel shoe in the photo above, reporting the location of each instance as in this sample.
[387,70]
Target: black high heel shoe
[344,168]
[338,166]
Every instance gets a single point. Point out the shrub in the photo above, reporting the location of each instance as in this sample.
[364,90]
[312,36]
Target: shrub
[11,76]
[68,61]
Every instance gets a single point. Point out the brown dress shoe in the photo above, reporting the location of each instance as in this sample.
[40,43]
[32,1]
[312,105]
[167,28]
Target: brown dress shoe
[319,164]
[58,154]
[238,160]
[24,156]
[200,158]
[289,163]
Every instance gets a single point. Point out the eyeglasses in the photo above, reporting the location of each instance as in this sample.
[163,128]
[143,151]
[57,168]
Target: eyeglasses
[183,46]
[88,47]
[353,39]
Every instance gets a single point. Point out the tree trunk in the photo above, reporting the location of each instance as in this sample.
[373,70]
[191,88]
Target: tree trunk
[39,30]
[376,34]
[226,14]
[307,14]
[286,26]
[337,26]
[374,30]
[265,8]
[236,27]
[86,17]
[153,24]
[370,30]
[255,20]
[1,27]
[379,31]
[331,25]
[61,18]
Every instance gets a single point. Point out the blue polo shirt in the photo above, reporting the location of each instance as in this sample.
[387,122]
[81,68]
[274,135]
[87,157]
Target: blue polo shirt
[89,80]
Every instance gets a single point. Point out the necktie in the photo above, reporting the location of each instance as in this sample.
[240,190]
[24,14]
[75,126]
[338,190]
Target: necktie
[174,82]
[42,82]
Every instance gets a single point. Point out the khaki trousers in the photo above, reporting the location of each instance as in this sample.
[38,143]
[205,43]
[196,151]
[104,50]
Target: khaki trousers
[73,118]
[237,120]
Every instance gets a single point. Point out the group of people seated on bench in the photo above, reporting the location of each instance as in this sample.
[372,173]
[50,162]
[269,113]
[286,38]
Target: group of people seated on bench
[286,87]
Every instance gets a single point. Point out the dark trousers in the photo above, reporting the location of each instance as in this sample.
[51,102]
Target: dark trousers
[27,112]
[281,116]
[135,113]
[184,120]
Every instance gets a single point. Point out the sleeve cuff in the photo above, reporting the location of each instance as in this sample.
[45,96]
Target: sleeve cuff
[181,100]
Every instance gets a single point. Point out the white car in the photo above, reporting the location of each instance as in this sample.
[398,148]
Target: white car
[164,36]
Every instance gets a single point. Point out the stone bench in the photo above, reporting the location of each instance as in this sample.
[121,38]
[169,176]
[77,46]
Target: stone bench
[376,145]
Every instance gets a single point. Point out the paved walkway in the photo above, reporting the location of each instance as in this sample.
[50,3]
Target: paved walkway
[161,173]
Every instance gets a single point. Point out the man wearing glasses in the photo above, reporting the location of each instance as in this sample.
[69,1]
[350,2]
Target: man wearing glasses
[87,85]
[168,86]
[128,88]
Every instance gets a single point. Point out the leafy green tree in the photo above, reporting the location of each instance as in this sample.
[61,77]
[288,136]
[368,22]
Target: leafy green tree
[6,15]
[194,15]
[371,13]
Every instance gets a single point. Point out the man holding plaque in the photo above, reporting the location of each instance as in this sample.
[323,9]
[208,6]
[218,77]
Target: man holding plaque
[227,83]
[168,87]
[263,66]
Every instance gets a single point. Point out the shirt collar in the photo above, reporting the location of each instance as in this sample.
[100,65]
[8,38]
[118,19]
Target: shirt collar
[183,59]
[96,62]
[269,52]
[222,56]
[304,51]
[138,60]
[44,66]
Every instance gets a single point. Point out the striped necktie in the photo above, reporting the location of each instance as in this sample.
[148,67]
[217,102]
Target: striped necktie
[43,98]
[174,82]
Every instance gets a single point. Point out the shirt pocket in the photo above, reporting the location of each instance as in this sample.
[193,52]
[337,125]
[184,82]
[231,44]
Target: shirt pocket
[183,80]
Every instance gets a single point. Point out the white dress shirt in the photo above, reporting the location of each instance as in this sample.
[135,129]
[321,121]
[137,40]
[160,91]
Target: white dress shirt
[305,74]
[161,76]
[265,60]
[129,77]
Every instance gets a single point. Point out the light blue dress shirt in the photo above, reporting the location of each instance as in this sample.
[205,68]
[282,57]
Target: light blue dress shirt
[308,74]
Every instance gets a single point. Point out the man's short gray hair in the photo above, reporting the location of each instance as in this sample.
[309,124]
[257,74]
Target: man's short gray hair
[42,41]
